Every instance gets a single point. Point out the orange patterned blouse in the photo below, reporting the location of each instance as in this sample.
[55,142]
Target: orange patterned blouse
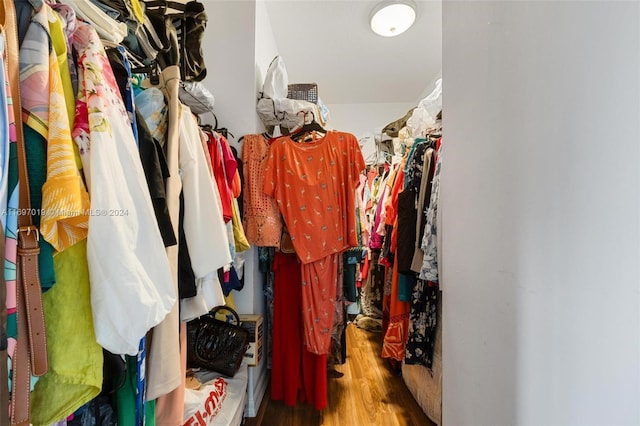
[314,185]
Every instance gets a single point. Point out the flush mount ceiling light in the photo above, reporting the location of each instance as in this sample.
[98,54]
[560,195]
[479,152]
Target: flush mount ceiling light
[392,18]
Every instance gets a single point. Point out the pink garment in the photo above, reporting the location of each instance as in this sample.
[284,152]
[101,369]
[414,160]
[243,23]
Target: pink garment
[224,189]
[229,161]
[170,407]
[375,241]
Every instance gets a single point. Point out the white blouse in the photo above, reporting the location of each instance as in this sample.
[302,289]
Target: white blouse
[131,285]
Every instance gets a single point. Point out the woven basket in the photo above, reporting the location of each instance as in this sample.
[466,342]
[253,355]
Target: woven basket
[303,92]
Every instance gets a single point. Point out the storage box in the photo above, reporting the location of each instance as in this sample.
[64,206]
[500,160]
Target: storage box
[254,324]
[303,92]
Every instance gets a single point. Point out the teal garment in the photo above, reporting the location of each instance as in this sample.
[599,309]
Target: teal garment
[126,398]
[407,164]
[126,395]
[350,292]
[351,258]
[405,286]
[36,152]
[150,413]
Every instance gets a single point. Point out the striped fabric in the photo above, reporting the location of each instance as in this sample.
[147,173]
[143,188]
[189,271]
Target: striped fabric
[65,201]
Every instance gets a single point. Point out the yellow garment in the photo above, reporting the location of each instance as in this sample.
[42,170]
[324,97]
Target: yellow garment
[59,43]
[75,358]
[230,302]
[242,244]
[65,201]
[137,11]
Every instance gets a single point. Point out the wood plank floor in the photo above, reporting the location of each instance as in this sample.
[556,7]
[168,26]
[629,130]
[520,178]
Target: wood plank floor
[368,394]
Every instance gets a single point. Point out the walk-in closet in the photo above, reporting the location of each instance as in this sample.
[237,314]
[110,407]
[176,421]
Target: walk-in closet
[314,212]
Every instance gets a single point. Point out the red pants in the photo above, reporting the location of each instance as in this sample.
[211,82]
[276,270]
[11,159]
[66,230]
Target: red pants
[294,370]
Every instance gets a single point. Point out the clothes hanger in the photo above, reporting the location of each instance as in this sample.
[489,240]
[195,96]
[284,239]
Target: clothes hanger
[307,128]
[151,70]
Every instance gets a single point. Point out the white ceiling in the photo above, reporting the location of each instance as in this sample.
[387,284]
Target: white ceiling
[330,43]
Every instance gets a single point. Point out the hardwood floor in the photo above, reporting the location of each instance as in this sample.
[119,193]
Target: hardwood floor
[368,394]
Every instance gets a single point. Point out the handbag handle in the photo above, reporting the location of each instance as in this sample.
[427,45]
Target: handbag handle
[215,310]
[30,355]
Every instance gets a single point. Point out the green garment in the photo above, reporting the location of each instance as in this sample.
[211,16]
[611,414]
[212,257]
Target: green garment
[36,152]
[126,398]
[75,358]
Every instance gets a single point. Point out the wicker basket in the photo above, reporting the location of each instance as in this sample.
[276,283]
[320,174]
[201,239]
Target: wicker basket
[303,92]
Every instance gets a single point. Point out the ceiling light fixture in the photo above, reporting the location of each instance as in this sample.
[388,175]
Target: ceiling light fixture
[392,18]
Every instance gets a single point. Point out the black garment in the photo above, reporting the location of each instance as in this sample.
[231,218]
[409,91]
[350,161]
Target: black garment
[167,42]
[232,282]
[97,412]
[186,276]
[24,10]
[156,171]
[423,324]
[407,212]
[351,258]
[191,25]
[119,70]
[180,28]
[406,234]
[386,244]
[152,156]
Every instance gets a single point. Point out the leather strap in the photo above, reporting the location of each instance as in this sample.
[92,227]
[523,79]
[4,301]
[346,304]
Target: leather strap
[28,234]
[28,251]
[31,347]
[21,363]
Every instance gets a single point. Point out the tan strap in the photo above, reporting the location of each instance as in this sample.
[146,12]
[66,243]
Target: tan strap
[21,363]
[27,232]
[28,251]
[31,345]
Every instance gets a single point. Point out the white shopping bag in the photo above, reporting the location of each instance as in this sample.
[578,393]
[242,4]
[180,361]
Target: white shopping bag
[202,405]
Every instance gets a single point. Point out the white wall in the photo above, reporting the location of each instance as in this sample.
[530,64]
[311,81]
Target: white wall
[266,49]
[541,208]
[230,48]
[364,118]
[229,51]
[238,47]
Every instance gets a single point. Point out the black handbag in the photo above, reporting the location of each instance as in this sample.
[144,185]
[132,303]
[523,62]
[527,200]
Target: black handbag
[216,345]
